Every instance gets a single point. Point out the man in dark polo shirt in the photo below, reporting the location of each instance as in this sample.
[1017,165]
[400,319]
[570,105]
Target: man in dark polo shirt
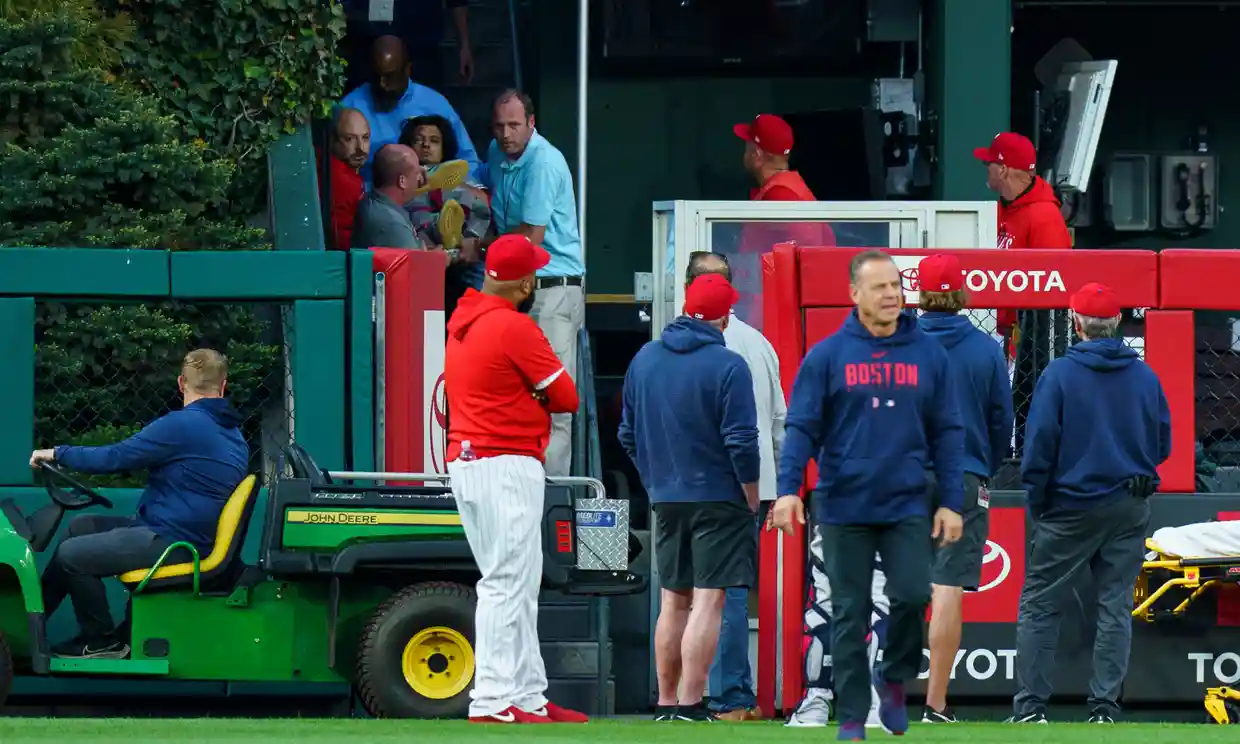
[382,221]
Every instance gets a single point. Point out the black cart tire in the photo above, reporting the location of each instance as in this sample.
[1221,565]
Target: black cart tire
[6,669]
[416,656]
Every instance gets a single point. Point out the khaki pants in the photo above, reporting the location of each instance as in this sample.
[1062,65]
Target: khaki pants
[560,313]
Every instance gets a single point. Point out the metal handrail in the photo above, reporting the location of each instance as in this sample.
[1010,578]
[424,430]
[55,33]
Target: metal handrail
[594,484]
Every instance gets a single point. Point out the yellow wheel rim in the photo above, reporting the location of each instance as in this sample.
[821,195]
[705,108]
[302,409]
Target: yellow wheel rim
[438,663]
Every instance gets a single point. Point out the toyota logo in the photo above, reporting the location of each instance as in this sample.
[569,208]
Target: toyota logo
[910,280]
[995,552]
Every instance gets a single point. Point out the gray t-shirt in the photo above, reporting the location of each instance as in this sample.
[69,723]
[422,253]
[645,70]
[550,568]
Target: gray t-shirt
[382,223]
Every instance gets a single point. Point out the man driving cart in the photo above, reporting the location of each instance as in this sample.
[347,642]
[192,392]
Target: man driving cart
[195,457]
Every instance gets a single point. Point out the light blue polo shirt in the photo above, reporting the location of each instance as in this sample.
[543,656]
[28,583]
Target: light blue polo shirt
[537,189]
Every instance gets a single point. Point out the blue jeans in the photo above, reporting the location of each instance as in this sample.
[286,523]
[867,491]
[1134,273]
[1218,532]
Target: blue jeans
[731,679]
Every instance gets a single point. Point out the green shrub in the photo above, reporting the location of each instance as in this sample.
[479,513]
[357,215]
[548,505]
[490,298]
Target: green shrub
[89,163]
[237,74]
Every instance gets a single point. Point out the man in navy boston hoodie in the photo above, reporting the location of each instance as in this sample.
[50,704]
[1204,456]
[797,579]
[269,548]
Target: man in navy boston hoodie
[984,394]
[690,426]
[195,457]
[874,405]
[1098,429]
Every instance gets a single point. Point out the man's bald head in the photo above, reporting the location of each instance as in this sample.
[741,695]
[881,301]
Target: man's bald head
[397,172]
[350,137]
[391,73]
[705,262]
[390,54]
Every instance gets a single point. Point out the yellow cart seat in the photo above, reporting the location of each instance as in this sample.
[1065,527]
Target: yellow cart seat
[229,535]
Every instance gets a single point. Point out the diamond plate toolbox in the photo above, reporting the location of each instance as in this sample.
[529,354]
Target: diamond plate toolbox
[602,534]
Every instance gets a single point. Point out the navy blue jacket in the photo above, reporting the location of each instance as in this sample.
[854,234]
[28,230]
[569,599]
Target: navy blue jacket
[195,457]
[1098,417]
[983,390]
[877,411]
[689,421]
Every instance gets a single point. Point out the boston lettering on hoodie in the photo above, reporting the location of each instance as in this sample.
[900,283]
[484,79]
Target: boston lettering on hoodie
[1098,417]
[877,411]
[983,391]
[689,421]
[196,457]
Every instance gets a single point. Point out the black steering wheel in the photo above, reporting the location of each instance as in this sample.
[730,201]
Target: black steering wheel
[68,491]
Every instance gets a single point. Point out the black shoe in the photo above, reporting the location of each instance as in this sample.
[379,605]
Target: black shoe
[665,712]
[930,715]
[697,712]
[1101,715]
[82,649]
[1036,717]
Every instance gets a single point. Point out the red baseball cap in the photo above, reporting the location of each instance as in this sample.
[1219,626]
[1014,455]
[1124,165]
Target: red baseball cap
[768,132]
[1010,149]
[710,297]
[940,273]
[514,256]
[1095,300]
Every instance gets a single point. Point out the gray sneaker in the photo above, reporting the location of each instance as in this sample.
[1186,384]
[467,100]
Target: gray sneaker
[813,712]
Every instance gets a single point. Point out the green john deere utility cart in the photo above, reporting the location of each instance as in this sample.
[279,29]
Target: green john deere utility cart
[358,581]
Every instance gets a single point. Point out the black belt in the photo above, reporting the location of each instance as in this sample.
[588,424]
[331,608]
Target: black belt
[545,282]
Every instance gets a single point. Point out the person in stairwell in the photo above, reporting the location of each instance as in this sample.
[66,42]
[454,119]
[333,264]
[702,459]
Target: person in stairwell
[768,146]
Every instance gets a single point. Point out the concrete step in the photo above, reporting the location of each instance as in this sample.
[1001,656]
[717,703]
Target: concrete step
[581,694]
[572,659]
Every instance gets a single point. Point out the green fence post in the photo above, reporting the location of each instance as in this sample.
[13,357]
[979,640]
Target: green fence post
[318,360]
[17,382]
[296,218]
[361,369]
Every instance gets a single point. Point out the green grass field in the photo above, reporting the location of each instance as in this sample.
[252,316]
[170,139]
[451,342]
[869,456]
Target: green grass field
[337,731]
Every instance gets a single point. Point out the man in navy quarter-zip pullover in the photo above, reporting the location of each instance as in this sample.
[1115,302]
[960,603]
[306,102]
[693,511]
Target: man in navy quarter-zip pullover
[874,405]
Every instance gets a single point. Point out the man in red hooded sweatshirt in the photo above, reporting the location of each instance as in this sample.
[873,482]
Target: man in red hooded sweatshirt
[1029,217]
[503,382]
[768,146]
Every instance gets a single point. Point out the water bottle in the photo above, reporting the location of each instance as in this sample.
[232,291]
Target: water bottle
[467,452]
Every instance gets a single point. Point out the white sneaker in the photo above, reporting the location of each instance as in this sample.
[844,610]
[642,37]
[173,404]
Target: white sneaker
[872,721]
[813,712]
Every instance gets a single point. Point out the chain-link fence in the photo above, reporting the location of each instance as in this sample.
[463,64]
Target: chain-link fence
[1217,365]
[105,370]
[1031,340]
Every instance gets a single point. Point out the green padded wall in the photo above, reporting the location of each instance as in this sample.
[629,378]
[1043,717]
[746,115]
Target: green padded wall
[17,382]
[217,275]
[318,379]
[83,272]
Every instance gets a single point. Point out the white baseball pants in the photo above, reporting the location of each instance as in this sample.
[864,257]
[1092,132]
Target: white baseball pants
[501,504]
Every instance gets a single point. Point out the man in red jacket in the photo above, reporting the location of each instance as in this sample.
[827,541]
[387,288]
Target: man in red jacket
[350,147]
[1029,217]
[503,382]
[1029,210]
[768,146]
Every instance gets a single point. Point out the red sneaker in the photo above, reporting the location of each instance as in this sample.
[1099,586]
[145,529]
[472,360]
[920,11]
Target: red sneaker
[511,714]
[558,714]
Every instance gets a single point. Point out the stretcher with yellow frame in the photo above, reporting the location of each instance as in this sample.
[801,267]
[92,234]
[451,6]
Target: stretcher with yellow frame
[1169,584]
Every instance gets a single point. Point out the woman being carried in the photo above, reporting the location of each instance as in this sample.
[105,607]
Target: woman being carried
[454,220]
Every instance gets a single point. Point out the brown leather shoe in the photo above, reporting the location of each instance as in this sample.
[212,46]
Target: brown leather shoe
[741,714]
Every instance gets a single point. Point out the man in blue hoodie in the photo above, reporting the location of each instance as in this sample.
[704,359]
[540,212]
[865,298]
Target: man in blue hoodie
[1098,429]
[984,394]
[874,404]
[690,426]
[195,457]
